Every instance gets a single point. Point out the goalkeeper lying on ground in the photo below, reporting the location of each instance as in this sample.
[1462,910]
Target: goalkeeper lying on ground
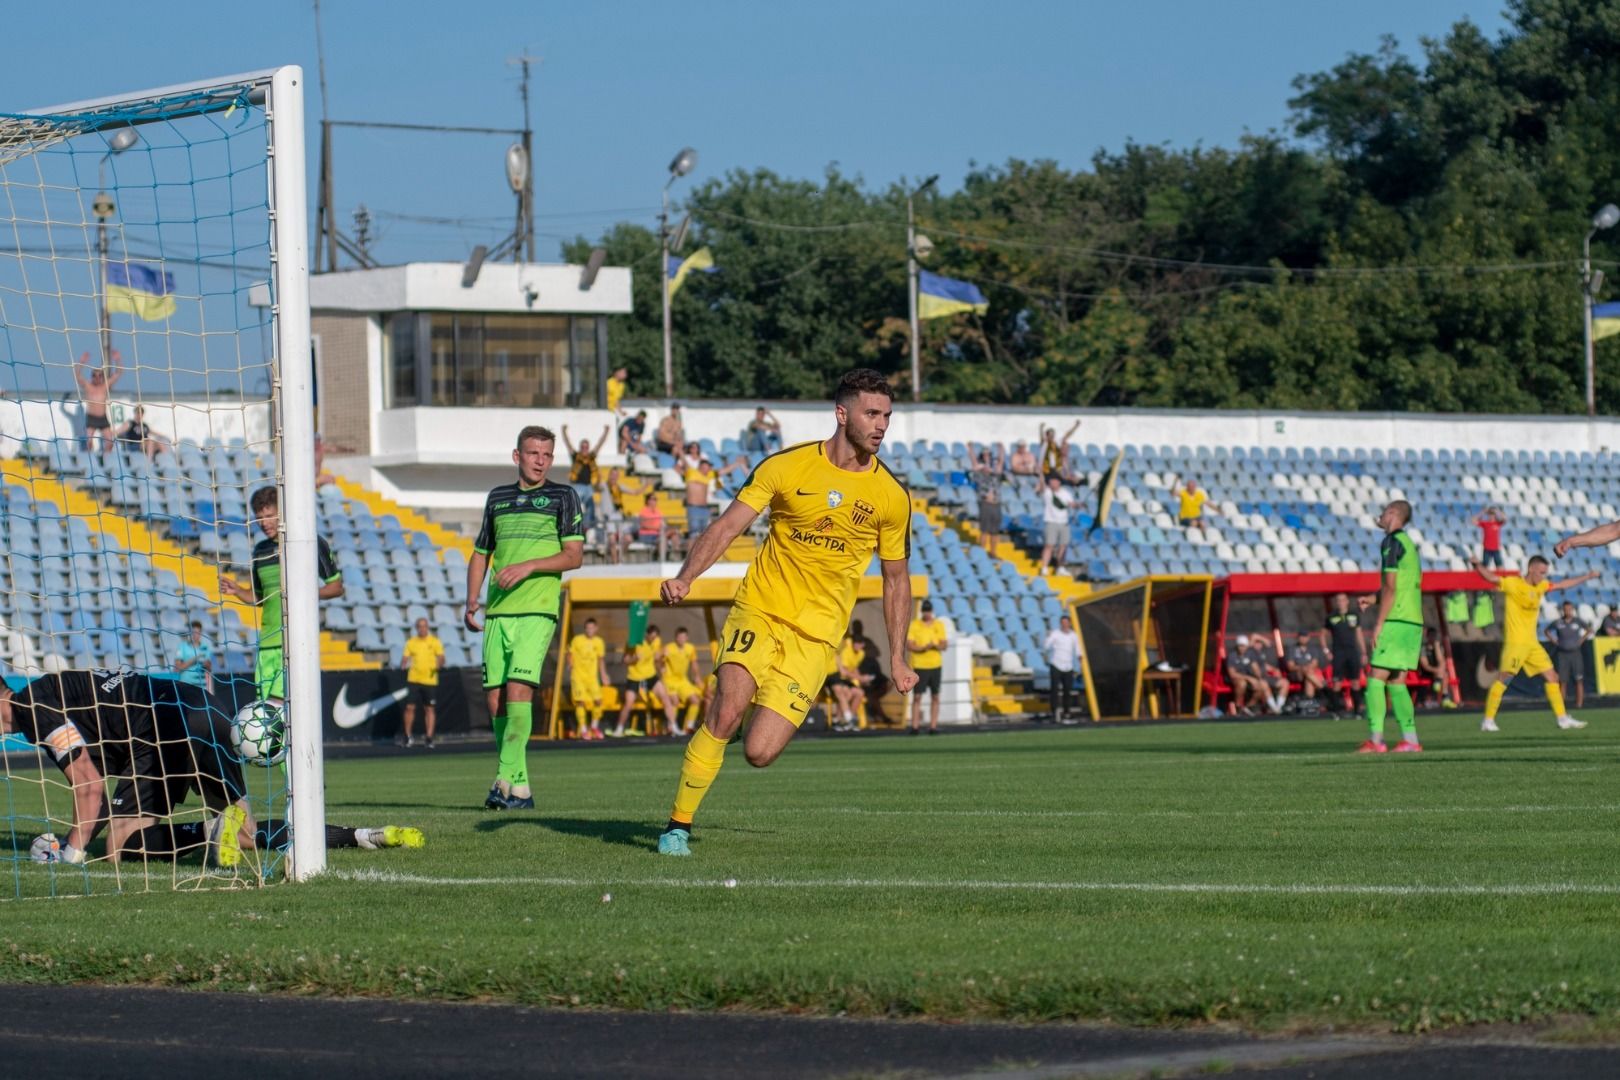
[160,740]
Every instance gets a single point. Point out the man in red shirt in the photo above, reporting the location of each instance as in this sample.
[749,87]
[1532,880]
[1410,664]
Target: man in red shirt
[1490,526]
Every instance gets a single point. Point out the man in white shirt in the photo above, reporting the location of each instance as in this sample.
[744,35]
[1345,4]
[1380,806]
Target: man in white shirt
[1063,658]
[1057,505]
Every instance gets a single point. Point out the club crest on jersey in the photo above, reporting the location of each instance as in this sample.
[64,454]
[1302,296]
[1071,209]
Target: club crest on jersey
[835,499]
[863,512]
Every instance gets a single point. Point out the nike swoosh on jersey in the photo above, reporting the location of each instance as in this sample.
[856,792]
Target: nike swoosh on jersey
[347,715]
[801,491]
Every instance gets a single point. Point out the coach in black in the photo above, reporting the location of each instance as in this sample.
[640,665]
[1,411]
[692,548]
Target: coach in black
[1349,650]
[159,738]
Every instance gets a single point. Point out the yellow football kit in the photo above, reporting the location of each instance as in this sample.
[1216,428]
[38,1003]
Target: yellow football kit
[678,661]
[642,666]
[926,633]
[584,668]
[794,604]
[422,654]
[1522,651]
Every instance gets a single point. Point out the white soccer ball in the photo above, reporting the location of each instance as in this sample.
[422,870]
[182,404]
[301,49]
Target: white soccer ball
[259,734]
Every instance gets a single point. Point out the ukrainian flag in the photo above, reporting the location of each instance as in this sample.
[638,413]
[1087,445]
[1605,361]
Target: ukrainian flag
[701,259]
[141,290]
[1605,320]
[941,296]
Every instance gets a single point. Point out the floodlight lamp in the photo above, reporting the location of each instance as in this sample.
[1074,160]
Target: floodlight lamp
[517,167]
[684,162]
[1606,218]
[122,140]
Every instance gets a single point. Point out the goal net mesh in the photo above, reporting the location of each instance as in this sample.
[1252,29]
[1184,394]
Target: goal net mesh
[139,376]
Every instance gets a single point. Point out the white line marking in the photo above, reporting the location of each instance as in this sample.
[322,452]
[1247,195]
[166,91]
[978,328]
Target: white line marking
[1550,888]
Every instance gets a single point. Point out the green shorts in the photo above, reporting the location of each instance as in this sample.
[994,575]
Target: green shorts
[1398,646]
[515,648]
[270,674]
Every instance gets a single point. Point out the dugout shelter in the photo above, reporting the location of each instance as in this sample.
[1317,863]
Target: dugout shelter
[1143,646]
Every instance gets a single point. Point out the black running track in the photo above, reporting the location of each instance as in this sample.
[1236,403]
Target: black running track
[88,1031]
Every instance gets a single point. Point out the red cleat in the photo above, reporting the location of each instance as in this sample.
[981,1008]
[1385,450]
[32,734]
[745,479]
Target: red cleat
[1370,747]
[1408,748]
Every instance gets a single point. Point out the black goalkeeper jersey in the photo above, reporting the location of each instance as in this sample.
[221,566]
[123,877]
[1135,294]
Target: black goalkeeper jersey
[103,711]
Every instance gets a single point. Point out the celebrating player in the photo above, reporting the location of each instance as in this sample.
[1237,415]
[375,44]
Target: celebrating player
[269,665]
[832,504]
[587,674]
[533,530]
[1396,632]
[1521,650]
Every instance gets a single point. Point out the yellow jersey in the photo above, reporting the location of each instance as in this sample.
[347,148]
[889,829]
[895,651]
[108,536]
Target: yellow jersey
[584,658]
[615,393]
[643,666]
[826,522]
[1192,504]
[422,657]
[678,661]
[926,633]
[1521,610]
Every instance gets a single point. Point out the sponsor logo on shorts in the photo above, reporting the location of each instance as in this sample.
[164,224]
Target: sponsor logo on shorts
[831,543]
[794,690]
[863,512]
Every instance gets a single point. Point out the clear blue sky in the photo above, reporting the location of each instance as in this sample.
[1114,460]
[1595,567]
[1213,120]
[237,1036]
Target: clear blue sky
[886,89]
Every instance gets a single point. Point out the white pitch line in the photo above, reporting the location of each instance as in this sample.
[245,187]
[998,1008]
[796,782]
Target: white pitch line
[1261,812]
[1552,888]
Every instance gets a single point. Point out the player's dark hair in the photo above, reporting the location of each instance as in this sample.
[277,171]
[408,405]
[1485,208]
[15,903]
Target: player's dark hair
[1542,559]
[196,625]
[858,382]
[652,629]
[535,431]
[680,629]
[590,622]
[264,499]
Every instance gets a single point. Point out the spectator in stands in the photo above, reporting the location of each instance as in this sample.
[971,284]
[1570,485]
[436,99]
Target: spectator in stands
[1610,627]
[193,660]
[925,644]
[1062,648]
[1568,637]
[1190,514]
[139,436]
[988,464]
[671,433]
[1348,651]
[1055,454]
[94,390]
[583,469]
[324,446]
[1490,522]
[423,659]
[763,435]
[1246,686]
[1022,461]
[1305,666]
[1263,665]
[1432,670]
[631,434]
[700,476]
[650,524]
[1057,507]
[990,526]
[616,384]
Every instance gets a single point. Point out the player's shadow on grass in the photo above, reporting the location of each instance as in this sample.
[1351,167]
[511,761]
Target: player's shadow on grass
[637,834]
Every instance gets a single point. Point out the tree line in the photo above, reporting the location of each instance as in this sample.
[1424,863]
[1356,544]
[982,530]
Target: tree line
[1411,242]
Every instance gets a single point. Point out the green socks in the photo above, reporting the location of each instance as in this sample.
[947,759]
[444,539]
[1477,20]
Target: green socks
[1377,706]
[514,742]
[1400,696]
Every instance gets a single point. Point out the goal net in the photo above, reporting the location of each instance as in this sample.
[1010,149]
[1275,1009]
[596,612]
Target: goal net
[155,371]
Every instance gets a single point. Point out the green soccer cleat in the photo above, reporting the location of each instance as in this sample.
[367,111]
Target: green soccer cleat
[406,837]
[673,842]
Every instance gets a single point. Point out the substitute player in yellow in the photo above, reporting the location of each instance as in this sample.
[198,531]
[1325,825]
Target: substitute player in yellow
[926,640]
[677,662]
[423,659]
[1521,648]
[587,674]
[832,505]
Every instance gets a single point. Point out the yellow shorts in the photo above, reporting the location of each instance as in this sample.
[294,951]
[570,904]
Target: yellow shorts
[681,690]
[585,692]
[788,668]
[1530,660]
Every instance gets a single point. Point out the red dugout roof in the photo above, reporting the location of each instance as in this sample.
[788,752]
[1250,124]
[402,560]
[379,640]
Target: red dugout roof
[1354,583]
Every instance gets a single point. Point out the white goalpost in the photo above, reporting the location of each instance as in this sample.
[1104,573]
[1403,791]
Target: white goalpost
[144,399]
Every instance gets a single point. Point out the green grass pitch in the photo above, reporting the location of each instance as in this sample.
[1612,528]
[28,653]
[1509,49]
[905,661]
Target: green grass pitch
[1258,872]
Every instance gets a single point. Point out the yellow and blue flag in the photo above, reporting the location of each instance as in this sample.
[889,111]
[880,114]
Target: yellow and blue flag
[141,290]
[1605,320]
[701,259]
[941,296]
[1105,494]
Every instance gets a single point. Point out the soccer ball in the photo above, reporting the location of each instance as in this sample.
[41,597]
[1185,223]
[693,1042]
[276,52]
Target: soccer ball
[259,734]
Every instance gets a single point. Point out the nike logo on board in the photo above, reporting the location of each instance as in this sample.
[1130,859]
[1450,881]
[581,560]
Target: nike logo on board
[347,715]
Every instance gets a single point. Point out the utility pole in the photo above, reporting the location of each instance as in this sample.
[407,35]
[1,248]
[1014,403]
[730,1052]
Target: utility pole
[526,197]
[911,285]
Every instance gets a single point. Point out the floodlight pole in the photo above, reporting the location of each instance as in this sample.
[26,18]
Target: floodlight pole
[663,286]
[911,286]
[1605,218]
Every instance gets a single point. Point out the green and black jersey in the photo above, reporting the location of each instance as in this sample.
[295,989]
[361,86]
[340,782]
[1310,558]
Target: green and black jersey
[1399,555]
[528,523]
[268,588]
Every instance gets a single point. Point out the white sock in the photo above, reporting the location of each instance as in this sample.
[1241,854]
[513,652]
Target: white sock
[521,791]
[368,838]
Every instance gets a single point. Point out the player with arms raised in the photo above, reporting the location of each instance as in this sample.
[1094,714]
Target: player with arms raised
[1522,651]
[832,504]
[533,530]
